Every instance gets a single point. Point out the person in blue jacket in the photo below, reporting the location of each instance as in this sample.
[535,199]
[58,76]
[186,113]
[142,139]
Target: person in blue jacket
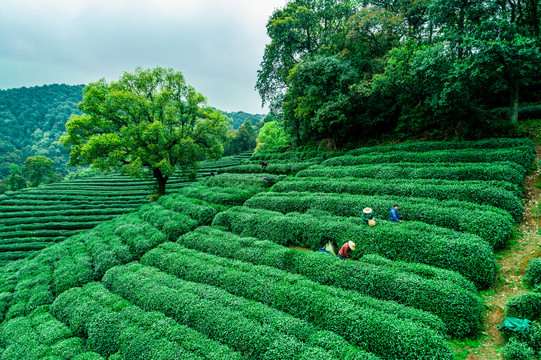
[394,215]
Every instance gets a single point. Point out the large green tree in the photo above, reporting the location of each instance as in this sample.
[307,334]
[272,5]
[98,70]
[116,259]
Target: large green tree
[149,121]
[301,30]
[38,169]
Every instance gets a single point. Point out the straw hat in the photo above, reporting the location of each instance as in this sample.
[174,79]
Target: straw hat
[367,210]
[351,245]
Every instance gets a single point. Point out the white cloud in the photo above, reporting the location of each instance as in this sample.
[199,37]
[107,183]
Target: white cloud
[218,45]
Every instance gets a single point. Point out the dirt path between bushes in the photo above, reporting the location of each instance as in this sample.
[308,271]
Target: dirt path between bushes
[513,262]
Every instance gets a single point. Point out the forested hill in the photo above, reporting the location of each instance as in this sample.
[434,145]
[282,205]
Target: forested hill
[240,117]
[32,120]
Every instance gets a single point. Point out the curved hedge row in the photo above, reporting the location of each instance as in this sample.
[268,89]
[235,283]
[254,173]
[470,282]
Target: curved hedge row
[115,326]
[504,171]
[290,168]
[495,143]
[40,336]
[477,192]
[295,155]
[411,241]
[167,221]
[255,330]
[459,309]
[522,155]
[199,210]
[323,306]
[226,196]
[493,226]
[228,180]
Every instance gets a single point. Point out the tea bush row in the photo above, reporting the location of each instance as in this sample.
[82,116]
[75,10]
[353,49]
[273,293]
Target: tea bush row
[411,241]
[199,210]
[488,144]
[290,168]
[459,308]
[40,336]
[494,194]
[504,171]
[167,221]
[493,226]
[248,327]
[65,210]
[113,325]
[23,221]
[226,196]
[323,306]
[522,155]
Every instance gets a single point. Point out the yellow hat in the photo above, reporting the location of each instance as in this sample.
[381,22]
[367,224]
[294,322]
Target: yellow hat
[351,245]
[367,210]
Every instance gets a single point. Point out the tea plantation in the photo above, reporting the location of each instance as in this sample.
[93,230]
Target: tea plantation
[232,266]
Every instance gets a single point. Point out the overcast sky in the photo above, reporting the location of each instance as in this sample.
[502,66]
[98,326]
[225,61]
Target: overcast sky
[217,44]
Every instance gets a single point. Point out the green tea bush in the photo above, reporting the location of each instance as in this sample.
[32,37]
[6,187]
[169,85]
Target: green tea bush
[114,325]
[522,155]
[477,192]
[246,326]
[290,168]
[38,336]
[410,241]
[226,196]
[227,180]
[460,309]
[199,210]
[517,350]
[322,305]
[139,235]
[525,306]
[422,146]
[491,224]
[169,222]
[533,273]
[504,171]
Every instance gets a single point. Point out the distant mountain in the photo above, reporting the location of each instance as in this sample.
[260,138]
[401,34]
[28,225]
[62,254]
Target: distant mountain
[32,121]
[240,117]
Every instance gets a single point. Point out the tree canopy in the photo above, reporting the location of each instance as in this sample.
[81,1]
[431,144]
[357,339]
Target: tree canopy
[351,70]
[149,122]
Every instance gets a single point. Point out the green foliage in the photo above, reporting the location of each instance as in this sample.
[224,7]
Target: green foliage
[491,225]
[456,306]
[498,194]
[334,306]
[408,241]
[151,120]
[272,137]
[33,119]
[322,103]
[504,171]
[517,350]
[38,169]
[533,273]
[259,331]
[525,306]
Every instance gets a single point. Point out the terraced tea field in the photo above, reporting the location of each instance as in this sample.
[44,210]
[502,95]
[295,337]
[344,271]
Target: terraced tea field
[229,268]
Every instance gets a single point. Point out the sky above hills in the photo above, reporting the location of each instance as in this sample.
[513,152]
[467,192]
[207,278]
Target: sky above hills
[218,45]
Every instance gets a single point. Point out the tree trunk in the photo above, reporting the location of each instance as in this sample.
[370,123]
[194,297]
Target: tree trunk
[162,180]
[513,102]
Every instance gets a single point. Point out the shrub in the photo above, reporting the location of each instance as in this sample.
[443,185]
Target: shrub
[115,326]
[517,350]
[198,210]
[480,192]
[459,308]
[525,306]
[504,171]
[409,241]
[491,224]
[522,155]
[533,273]
[246,326]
